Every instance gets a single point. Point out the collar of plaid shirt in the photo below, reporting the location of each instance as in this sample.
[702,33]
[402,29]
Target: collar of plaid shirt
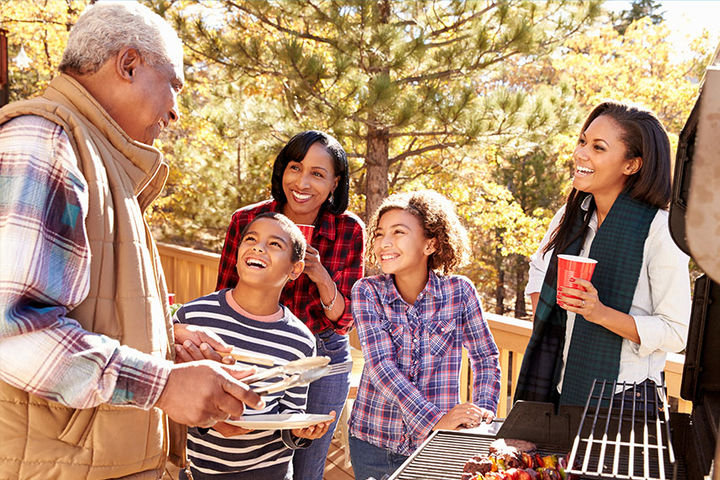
[432,288]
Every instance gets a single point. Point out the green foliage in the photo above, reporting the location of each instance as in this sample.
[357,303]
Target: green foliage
[409,76]
[41,28]
[639,66]
[639,9]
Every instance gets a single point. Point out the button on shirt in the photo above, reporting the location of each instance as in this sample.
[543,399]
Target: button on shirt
[413,355]
[660,306]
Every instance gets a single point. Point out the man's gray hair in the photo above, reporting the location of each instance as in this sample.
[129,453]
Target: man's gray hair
[105,28]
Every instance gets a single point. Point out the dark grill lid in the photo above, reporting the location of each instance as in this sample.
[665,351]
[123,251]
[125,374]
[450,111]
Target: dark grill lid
[701,372]
[690,210]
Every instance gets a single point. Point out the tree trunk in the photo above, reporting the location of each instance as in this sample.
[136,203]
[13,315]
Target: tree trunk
[500,293]
[520,269]
[376,163]
[377,148]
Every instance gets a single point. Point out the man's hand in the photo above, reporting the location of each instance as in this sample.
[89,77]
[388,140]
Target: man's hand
[203,393]
[198,343]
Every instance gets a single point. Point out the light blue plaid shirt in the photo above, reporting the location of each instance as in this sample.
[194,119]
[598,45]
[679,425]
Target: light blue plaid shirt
[45,273]
[413,355]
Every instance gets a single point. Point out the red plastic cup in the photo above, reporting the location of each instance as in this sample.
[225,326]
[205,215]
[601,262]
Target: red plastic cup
[307,231]
[171,298]
[572,266]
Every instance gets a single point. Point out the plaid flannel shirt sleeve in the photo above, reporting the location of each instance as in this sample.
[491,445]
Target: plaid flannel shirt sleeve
[45,272]
[482,350]
[227,273]
[353,251]
[419,414]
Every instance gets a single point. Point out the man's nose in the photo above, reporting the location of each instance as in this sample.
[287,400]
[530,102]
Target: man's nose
[173,114]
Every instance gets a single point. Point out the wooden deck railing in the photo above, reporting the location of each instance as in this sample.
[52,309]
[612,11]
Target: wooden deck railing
[189,273]
[193,273]
[512,336]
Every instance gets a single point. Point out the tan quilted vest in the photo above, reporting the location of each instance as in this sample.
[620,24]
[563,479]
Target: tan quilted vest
[43,439]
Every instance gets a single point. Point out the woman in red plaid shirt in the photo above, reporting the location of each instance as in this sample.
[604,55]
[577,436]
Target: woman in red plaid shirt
[310,185]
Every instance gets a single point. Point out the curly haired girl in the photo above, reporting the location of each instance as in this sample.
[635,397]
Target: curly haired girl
[413,322]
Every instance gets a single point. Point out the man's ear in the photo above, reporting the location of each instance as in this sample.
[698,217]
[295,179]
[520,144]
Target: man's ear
[126,62]
[297,269]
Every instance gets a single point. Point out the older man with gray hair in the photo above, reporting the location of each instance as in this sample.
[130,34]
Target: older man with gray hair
[86,341]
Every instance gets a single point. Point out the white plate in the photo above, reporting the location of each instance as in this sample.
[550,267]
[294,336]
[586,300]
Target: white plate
[284,421]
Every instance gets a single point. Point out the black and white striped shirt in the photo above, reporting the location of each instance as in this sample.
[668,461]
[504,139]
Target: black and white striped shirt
[283,340]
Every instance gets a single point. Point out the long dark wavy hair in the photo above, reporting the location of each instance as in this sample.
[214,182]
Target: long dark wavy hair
[643,136]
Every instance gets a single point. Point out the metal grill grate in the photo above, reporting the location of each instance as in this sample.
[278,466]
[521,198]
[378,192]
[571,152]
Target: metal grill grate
[443,456]
[590,434]
[625,436]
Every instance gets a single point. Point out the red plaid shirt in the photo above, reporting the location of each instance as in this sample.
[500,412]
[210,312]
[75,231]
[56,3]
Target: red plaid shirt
[340,239]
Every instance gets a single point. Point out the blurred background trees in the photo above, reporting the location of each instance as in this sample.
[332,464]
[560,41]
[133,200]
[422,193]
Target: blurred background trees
[480,100]
[40,30]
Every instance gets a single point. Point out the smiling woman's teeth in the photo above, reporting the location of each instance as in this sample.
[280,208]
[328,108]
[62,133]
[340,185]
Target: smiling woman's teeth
[300,196]
[585,171]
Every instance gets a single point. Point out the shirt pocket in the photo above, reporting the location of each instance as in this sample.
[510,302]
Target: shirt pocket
[442,335]
[397,338]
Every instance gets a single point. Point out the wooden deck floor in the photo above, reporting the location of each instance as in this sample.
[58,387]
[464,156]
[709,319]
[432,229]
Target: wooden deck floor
[335,468]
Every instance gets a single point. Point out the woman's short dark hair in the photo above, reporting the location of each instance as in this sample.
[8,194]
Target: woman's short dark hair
[295,151]
[643,136]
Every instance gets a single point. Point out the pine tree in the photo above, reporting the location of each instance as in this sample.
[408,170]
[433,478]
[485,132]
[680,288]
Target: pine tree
[395,81]
[649,9]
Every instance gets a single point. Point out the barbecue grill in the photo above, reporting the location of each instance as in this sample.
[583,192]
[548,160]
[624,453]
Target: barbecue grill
[605,440]
[629,439]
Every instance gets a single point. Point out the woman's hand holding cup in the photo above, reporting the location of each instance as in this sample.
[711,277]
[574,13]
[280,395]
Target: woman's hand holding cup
[582,301]
[575,293]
